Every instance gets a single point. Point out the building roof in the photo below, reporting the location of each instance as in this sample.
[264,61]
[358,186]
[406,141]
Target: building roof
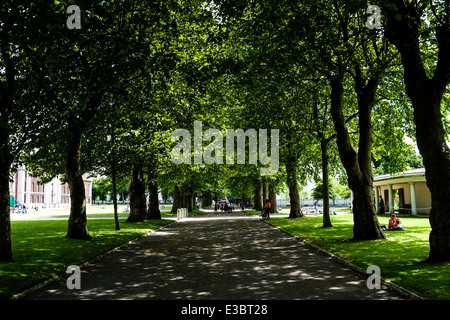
[406,176]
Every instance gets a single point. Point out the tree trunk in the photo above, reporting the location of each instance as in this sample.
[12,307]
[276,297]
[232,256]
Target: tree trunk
[77,225]
[358,163]
[116,214]
[176,199]
[206,198]
[325,184]
[138,207]
[190,200]
[273,196]
[258,204]
[294,195]
[7,91]
[426,97]
[265,191]
[114,182]
[153,203]
[436,160]
[5,220]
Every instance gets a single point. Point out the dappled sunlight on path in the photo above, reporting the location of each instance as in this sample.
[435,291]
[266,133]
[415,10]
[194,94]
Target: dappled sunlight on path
[217,257]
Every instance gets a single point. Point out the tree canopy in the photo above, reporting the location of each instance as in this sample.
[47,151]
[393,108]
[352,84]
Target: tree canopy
[334,94]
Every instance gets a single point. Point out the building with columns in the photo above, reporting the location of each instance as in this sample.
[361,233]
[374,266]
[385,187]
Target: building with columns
[25,189]
[408,189]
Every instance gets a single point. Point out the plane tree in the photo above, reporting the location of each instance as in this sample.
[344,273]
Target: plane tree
[25,49]
[353,59]
[420,32]
[89,65]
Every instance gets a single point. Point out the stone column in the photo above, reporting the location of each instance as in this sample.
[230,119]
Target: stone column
[20,196]
[28,190]
[58,187]
[413,198]
[12,187]
[376,199]
[351,201]
[391,200]
[47,194]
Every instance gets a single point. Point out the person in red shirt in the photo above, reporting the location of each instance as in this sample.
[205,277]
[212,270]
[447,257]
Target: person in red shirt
[266,212]
[395,223]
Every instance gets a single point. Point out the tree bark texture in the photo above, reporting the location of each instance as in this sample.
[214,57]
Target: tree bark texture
[153,203]
[207,199]
[5,220]
[177,202]
[265,192]
[426,96]
[294,195]
[114,183]
[258,202]
[138,205]
[273,196]
[325,184]
[77,225]
[7,91]
[358,163]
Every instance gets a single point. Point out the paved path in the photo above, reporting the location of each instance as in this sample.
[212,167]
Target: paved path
[217,257]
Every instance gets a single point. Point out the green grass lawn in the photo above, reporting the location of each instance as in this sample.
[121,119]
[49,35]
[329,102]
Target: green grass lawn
[93,211]
[400,257]
[40,249]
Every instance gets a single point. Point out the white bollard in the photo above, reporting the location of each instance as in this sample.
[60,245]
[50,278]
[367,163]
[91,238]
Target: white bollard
[182,213]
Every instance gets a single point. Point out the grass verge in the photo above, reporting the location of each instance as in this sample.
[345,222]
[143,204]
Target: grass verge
[401,257]
[41,251]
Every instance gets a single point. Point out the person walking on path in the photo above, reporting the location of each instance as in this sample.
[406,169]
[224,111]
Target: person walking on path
[266,210]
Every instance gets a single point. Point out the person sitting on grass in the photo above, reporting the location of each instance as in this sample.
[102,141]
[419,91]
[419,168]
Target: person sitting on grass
[395,223]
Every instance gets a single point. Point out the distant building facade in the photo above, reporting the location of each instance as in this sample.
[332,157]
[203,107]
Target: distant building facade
[26,190]
[408,189]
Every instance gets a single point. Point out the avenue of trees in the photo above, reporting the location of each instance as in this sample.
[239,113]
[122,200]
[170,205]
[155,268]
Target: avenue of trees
[105,98]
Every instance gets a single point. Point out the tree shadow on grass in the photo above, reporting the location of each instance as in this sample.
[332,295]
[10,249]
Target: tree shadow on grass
[218,259]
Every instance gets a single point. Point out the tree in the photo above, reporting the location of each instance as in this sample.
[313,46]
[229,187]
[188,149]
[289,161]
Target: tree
[25,42]
[417,28]
[101,187]
[317,192]
[322,131]
[351,43]
[91,65]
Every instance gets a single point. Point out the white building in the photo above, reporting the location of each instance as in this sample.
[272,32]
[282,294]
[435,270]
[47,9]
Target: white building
[408,190]
[24,189]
